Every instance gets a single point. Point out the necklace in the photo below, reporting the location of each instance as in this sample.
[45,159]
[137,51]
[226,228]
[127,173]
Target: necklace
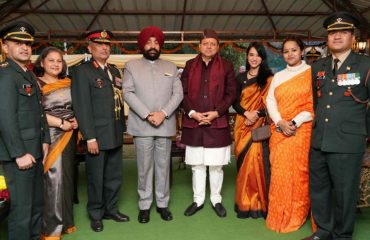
[251,74]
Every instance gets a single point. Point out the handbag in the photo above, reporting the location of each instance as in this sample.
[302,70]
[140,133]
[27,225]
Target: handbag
[263,132]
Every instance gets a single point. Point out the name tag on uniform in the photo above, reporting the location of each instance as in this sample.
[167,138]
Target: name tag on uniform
[348,79]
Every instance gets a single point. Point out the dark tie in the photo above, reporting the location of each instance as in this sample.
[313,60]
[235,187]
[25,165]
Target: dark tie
[335,69]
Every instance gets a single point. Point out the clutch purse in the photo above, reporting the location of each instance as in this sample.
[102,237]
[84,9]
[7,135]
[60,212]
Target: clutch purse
[262,133]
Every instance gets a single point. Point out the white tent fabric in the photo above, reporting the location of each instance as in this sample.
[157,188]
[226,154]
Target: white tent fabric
[120,60]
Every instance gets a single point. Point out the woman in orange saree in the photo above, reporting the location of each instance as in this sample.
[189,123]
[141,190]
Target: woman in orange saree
[59,164]
[290,105]
[251,157]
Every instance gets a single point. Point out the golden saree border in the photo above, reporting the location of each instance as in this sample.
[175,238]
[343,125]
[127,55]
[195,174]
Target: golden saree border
[250,189]
[57,150]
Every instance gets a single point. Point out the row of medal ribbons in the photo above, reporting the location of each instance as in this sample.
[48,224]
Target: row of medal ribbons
[348,79]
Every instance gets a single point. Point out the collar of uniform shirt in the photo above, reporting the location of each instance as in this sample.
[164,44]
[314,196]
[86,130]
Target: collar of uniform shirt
[341,59]
[103,66]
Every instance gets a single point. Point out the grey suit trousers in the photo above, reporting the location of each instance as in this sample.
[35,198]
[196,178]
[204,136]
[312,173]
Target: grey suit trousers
[153,160]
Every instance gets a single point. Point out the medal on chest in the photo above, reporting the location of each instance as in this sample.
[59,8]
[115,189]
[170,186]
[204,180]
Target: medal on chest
[348,79]
[28,89]
[319,77]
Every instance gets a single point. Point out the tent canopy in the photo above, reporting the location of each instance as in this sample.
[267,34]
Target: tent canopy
[234,19]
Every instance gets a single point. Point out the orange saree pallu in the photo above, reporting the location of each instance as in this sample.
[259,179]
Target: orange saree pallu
[289,195]
[251,158]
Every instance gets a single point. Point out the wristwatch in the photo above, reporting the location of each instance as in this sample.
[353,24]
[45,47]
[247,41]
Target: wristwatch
[61,125]
[294,123]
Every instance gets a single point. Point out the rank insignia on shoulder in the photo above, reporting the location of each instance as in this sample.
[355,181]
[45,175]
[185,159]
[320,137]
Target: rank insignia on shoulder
[348,68]
[99,82]
[27,88]
[168,74]
[4,64]
[320,75]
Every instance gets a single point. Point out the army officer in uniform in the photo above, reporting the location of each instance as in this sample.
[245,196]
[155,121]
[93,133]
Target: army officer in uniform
[24,133]
[341,91]
[97,102]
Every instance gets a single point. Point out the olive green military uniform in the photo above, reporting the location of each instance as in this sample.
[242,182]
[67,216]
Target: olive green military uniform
[340,128]
[94,106]
[23,129]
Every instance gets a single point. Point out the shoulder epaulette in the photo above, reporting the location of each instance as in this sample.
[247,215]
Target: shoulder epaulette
[4,64]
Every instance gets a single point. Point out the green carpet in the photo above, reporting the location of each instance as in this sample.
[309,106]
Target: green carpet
[203,225]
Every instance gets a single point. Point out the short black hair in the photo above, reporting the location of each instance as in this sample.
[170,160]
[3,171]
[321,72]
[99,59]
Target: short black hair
[293,38]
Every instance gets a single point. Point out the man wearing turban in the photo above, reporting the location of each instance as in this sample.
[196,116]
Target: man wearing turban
[153,92]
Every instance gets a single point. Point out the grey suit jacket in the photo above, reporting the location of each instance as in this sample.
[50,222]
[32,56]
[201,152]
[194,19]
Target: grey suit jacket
[149,87]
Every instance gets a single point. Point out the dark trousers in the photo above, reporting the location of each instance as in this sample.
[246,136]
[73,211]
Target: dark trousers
[26,201]
[104,178]
[334,178]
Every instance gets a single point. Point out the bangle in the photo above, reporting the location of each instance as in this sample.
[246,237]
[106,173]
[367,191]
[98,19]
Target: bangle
[61,125]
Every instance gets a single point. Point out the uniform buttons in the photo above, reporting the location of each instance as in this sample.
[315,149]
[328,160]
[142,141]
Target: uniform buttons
[40,102]
[326,120]
[333,80]
[330,93]
[42,129]
[328,106]
[205,96]
[205,80]
[42,115]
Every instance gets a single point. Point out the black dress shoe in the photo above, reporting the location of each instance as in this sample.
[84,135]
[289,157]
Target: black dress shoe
[144,216]
[96,225]
[313,237]
[165,213]
[220,210]
[192,209]
[118,217]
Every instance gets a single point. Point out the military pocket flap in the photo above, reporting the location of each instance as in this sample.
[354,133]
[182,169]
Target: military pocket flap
[101,122]
[354,128]
[28,133]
